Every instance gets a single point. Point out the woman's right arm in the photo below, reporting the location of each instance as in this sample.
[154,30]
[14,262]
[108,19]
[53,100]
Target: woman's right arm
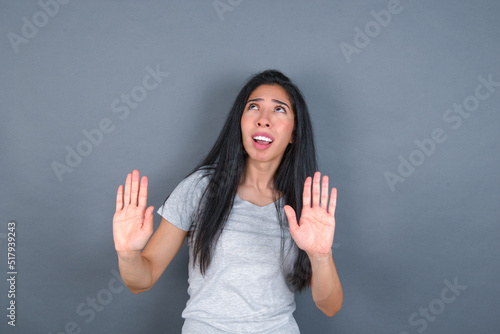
[132,228]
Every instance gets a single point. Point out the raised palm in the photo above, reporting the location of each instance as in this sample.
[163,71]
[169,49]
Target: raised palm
[132,221]
[315,231]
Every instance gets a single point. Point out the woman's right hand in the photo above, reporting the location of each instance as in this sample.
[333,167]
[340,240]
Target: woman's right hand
[132,222]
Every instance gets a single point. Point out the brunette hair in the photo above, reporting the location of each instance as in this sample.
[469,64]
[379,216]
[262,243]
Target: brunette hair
[226,163]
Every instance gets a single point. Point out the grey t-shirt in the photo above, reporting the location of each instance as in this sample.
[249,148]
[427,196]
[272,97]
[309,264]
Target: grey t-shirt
[244,288]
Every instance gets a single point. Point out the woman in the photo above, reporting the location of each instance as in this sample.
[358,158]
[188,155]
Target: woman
[246,259]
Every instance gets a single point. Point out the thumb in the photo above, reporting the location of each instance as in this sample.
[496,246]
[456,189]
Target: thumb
[148,219]
[292,217]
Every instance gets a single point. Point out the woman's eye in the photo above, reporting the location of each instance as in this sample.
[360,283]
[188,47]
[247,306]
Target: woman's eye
[252,106]
[280,109]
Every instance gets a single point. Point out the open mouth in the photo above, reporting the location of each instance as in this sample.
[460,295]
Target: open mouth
[262,140]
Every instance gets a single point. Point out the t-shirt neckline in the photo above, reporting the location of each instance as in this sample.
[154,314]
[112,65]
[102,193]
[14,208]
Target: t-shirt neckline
[255,205]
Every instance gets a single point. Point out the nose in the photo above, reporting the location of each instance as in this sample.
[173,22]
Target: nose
[263,120]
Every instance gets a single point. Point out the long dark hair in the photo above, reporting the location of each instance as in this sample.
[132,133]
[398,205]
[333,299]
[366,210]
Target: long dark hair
[226,163]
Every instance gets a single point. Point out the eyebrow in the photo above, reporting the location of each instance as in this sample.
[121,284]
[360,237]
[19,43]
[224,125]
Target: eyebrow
[274,100]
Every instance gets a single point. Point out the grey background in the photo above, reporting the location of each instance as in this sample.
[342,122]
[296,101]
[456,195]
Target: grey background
[394,249]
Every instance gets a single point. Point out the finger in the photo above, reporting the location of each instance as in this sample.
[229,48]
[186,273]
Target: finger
[143,192]
[324,192]
[306,195]
[148,220]
[135,187]
[316,189]
[292,218]
[119,198]
[333,202]
[149,212]
[127,189]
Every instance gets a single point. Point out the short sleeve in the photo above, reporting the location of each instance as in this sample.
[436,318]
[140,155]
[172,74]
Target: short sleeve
[178,209]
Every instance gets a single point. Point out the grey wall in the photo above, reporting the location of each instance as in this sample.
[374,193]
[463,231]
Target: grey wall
[412,219]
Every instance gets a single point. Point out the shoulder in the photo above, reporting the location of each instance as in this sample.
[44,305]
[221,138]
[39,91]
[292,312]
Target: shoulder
[185,198]
[194,183]
[200,177]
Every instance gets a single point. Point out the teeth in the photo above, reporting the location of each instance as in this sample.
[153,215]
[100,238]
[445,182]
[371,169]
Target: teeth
[263,138]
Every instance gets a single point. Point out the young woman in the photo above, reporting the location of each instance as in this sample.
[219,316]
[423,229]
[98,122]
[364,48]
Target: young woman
[246,257]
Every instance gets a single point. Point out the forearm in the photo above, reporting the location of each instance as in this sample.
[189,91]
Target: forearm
[135,271]
[325,284]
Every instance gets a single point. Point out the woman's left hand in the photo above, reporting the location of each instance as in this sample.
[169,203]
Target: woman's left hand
[316,228]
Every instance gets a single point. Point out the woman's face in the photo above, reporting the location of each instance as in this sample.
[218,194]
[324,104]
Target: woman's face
[267,123]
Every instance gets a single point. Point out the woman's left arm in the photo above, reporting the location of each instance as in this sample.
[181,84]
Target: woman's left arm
[314,235]
[325,284]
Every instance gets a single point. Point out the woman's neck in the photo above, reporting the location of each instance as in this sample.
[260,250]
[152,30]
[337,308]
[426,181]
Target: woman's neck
[259,175]
[257,183]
